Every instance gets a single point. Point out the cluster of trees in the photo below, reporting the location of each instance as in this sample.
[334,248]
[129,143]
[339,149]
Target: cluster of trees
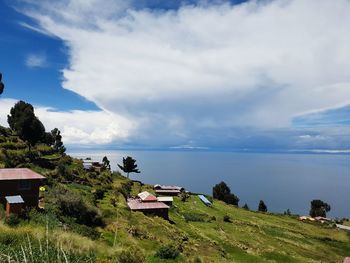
[30,129]
[222,192]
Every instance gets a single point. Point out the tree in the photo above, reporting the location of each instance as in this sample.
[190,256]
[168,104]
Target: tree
[222,192]
[319,208]
[246,207]
[24,122]
[129,166]
[262,207]
[106,163]
[57,141]
[2,85]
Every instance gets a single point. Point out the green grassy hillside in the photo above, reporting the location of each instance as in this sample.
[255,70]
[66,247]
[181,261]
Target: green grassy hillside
[86,219]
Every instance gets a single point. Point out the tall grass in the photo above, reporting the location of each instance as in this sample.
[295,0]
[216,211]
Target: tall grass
[25,248]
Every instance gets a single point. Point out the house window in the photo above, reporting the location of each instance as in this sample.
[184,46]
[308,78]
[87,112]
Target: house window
[24,185]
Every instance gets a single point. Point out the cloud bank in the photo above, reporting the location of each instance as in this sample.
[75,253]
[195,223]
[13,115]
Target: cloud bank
[206,73]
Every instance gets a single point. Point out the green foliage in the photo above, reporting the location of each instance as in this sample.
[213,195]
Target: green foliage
[197,260]
[196,217]
[184,196]
[66,203]
[319,208]
[125,189]
[227,219]
[106,163]
[287,212]
[18,249]
[24,122]
[131,255]
[246,207]
[57,141]
[12,220]
[167,252]
[262,206]
[129,166]
[222,192]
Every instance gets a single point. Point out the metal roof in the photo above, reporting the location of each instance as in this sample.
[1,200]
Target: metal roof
[204,199]
[167,191]
[136,204]
[19,174]
[168,187]
[343,227]
[165,199]
[14,199]
[146,196]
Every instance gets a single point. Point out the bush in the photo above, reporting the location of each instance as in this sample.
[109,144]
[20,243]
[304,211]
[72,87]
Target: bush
[184,196]
[227,219]
[262,207]
[69,204]
[131,255]
[125,189]
[12,220]
[197,260]
[167,252]
[196,217]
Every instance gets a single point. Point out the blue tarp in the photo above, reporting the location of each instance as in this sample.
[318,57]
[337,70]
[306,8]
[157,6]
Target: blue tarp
[204,200]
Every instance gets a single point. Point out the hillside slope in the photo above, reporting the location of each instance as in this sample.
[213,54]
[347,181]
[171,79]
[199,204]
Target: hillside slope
[85,219]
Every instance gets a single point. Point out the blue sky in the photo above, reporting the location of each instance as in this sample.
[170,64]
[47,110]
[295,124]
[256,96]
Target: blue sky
[239,75]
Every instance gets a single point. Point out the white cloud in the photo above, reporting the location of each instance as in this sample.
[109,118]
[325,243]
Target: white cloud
[36,61]
[187,71]
[79,127]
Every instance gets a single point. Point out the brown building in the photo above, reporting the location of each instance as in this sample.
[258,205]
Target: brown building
[149,205]
[14,204]
[20,181]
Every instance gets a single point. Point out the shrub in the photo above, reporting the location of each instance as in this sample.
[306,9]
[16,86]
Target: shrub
[167,252]
[262,207]
[197,260]
[131,255]
[227,219]
[196,217]
[246,207]
[69,204]
[184,196]
[125,189]
[12,220]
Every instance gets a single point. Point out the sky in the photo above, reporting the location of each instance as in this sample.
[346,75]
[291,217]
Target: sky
[268,75]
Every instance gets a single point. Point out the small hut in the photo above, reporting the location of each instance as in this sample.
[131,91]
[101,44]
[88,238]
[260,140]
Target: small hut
[14,205]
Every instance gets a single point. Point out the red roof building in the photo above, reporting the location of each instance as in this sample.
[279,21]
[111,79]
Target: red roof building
[20,181]
[149,205]
[147,197]
[347,260]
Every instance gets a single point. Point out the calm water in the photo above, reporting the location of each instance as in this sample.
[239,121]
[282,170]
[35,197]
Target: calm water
[281,180]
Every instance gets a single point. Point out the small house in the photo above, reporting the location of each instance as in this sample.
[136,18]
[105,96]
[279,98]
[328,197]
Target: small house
[149,205]
[14,205]
[346,260]
[168,200]
[21,182]
[147,197]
